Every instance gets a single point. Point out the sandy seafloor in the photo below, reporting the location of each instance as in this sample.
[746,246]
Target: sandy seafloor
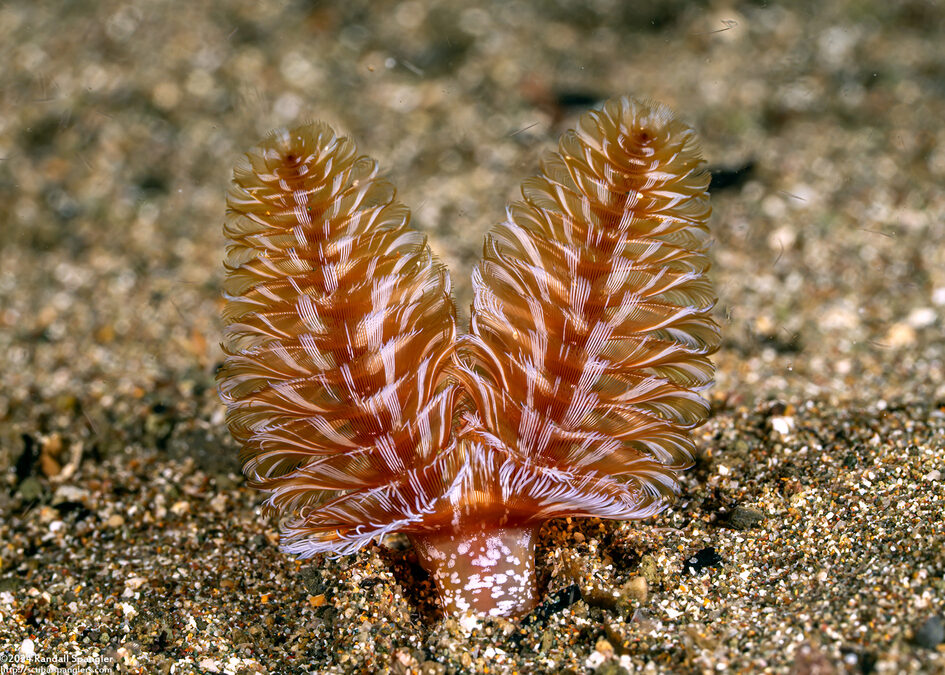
[128,541]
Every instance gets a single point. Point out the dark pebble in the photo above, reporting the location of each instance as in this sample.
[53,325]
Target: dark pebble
[77,508]
[31,489]
[555,602]
[27,459]
[745,517]
[931,633]
[707,557]
[730,177]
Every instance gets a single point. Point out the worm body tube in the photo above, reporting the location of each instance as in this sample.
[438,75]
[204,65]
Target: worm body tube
[489,572]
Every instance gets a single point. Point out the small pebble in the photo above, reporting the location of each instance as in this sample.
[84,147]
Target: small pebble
[134,583]
[635,589]
[783,424]
[47,514]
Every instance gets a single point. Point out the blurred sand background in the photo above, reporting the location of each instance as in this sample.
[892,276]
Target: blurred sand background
[127,536]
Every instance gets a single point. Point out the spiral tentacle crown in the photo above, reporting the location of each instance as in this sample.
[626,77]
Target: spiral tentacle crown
[362,412]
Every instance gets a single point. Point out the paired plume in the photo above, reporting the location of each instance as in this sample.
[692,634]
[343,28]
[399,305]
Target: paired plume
[360,410]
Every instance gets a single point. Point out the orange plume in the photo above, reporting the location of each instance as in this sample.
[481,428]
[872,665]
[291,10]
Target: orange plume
[338,327]
[361,412]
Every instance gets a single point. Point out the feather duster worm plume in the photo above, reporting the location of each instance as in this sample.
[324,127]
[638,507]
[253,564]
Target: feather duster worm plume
[361,412]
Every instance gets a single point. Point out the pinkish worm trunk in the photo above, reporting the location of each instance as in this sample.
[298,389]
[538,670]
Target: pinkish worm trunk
[489,572]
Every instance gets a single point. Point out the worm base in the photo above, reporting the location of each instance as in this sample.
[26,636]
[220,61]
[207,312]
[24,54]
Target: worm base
[488,572]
